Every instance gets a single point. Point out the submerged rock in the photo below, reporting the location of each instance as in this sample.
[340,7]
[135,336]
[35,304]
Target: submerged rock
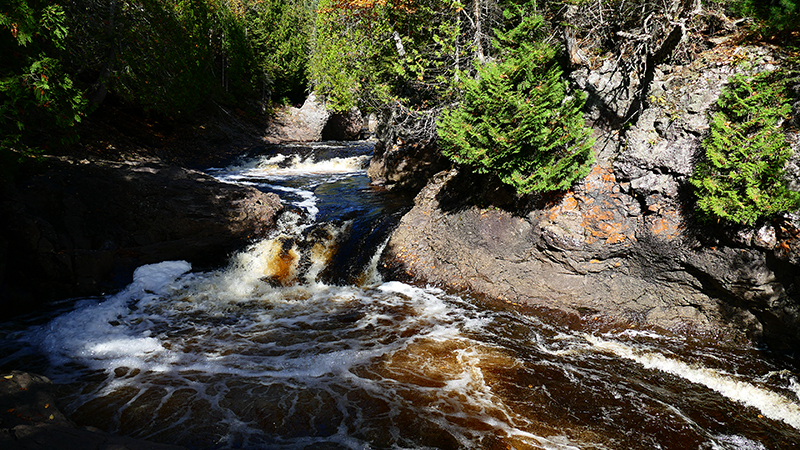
[30,419]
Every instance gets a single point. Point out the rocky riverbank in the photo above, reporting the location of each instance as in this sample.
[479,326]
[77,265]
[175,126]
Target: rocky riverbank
[30,419]
[79,220]
[623,246]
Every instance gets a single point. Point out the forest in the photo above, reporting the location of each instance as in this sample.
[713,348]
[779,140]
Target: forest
[473,75]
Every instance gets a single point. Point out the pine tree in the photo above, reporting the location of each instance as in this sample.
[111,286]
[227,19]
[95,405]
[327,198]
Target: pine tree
[741,179]
[516,119]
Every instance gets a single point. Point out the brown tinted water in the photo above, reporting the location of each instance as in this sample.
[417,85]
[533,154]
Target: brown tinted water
[277,351]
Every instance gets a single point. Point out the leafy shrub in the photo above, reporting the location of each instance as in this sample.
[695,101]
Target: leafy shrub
[517,120]
[741,179]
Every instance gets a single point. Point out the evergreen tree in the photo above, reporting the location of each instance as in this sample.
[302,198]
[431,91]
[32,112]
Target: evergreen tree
[280,33]
[39,101]
[741,179]
[516,119]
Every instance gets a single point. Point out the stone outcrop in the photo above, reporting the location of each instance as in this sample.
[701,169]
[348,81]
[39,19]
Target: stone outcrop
[623,245]
[403,160]
[80,227]
[30,419]
[343,126]
[304,124]
[314,122]
[594,253]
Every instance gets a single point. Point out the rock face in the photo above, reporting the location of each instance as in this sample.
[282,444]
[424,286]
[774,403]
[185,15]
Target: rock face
[30,419]
[401,161]
[343,126]
[81,227]
[594,253]
[314,122]
[303,124]
[622,245]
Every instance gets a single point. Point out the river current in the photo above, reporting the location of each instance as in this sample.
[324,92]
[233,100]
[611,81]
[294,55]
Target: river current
[298,343]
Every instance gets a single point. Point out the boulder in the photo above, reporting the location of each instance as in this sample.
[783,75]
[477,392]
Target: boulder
[401,161]
[304,124]
[343,126]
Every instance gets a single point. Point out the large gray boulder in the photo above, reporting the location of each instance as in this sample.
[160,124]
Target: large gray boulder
[304,124]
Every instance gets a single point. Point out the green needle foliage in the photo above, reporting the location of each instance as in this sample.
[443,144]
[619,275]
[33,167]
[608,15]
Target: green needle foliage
[771,15]
[741,180]
[38,98]
[517,119]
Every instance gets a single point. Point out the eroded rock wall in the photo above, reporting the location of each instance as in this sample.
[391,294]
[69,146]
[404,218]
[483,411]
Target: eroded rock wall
[623,244]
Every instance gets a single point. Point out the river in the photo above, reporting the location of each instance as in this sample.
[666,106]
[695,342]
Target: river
[298,343]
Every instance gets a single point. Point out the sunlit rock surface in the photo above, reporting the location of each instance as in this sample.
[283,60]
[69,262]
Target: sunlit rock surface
[624,244]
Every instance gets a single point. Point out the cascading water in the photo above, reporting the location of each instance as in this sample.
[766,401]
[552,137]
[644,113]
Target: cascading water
[298,344]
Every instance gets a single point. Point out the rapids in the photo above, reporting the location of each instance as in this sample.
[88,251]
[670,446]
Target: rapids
[298,343]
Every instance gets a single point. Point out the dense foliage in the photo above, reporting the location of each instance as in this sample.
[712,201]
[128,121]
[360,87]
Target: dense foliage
[517,119]
[168,58]
[279,33]
[741,179]
[371,53]
[486,73]
[36,93]
[771,15]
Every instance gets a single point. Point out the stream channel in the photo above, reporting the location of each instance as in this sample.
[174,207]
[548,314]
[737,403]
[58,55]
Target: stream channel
[298,343]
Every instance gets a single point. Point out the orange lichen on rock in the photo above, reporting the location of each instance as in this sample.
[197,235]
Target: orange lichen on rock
[667,225]
[568,204]
[604,213]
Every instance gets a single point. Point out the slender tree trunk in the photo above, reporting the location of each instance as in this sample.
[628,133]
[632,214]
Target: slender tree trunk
[478,32]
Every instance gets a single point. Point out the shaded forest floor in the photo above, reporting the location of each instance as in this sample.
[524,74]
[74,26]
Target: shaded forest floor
[217,135]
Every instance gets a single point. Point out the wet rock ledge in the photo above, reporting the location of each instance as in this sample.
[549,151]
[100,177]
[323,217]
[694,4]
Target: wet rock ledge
[623,247]
[78,227]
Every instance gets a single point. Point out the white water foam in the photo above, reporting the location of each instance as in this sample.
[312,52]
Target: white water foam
[735,442]
[94,332]
[771,404]
[280,166]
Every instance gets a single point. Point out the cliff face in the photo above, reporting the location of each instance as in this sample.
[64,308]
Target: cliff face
[623,245]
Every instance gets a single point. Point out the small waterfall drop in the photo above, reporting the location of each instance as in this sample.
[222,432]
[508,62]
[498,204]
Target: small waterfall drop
[298,343]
